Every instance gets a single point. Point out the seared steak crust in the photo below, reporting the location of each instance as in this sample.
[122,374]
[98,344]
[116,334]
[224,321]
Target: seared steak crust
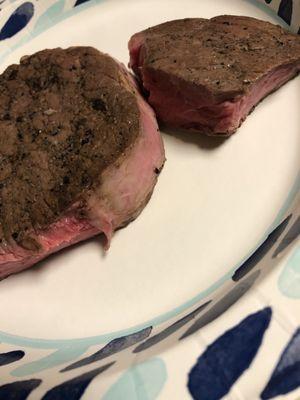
[65,115]
[207,75]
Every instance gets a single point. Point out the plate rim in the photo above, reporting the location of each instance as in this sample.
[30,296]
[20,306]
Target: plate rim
[164,318]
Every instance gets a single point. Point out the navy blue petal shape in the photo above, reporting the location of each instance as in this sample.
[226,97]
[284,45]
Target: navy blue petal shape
[170,330]
[285,10]
[78,2]
[74,388]
[225,360]
[10,357]
[18,390]
[291,235]
[17,21]
[286,376]
[112,347]
[263,249]
[221,306]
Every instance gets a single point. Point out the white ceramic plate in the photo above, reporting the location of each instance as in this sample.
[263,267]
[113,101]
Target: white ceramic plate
[212,207]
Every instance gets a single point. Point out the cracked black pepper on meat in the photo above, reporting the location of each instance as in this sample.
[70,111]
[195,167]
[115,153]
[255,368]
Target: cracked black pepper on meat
[63,119]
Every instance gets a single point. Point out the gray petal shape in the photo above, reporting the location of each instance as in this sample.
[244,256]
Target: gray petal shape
[291,235]
[262,250]
[112,347]
[74,388]
[171,329]
[222,305]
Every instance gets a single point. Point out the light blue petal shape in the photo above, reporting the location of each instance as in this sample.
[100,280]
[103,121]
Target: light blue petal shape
[59,357]
[289,279]
[141,382]
[45,20]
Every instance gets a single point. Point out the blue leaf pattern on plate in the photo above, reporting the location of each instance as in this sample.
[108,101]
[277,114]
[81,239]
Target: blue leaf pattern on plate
[112,347]
[17,21]
[286,376]
[262,250]
[10,357]
[221,306]
[78,2]
[74,388]
[18,390]
[285,10]
[170,330]
[225,360]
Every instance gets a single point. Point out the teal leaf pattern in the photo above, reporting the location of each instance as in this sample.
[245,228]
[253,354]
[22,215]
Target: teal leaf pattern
[59,357]
[141,382]
[289,279]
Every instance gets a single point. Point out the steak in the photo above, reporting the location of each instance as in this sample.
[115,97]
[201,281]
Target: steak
[80,153]
[206,75]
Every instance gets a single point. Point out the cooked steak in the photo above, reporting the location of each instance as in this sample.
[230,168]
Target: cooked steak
[207,75]
[80,152]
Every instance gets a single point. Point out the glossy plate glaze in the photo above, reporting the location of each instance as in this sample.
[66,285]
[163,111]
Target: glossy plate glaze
[216,204]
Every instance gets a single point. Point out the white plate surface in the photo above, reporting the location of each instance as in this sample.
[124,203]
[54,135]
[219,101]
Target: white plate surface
[211,207]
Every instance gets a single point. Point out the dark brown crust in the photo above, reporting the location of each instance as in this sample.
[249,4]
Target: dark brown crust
[65,116]
[222,56]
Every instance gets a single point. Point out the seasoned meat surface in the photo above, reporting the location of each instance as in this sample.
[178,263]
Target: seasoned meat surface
[197,71]
[68,119]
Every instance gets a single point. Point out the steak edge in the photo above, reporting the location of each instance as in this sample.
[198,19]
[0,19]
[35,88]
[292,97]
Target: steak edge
[208,75]
[80,153]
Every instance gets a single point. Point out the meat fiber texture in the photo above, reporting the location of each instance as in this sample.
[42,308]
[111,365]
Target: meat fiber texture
[207,75]
[80,153]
